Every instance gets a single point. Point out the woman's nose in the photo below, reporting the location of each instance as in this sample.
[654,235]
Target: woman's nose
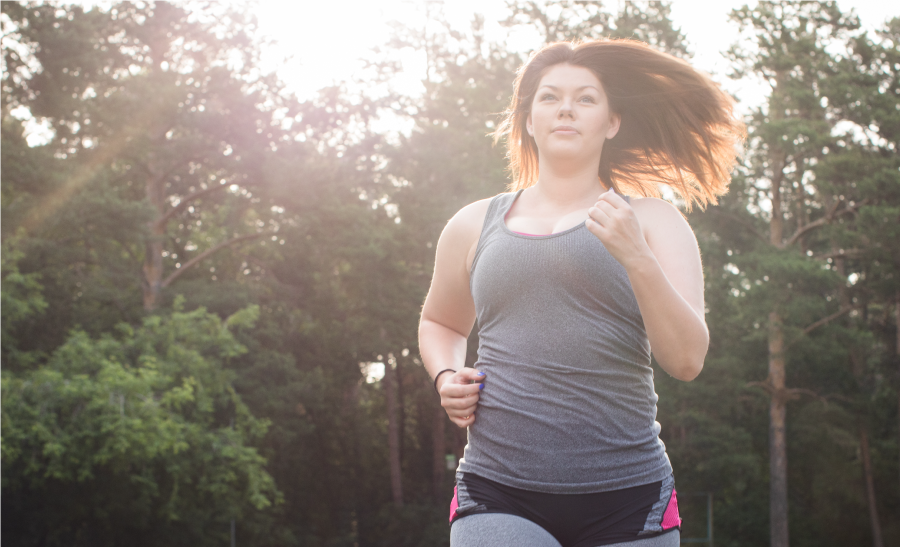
[565,110]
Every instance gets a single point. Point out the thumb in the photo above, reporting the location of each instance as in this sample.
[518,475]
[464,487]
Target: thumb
[468,375]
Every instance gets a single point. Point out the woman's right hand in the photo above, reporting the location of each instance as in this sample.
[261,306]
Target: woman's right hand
[460,393]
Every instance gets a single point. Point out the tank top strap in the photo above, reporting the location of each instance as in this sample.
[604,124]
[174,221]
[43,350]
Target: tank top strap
[496,214]
[494,221]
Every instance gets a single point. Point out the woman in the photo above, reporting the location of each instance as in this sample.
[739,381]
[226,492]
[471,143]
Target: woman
[572,283]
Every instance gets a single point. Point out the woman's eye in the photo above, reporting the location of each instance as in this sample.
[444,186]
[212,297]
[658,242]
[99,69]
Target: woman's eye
[547,97]
[587,99]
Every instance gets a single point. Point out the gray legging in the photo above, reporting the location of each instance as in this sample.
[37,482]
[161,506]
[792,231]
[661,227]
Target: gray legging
[499,530]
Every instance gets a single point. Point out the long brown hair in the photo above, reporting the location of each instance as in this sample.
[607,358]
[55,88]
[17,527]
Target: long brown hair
[677,125]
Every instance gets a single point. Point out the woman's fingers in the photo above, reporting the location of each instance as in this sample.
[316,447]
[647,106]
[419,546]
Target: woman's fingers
[595,228]
[600,220]
[612,198]
[611,217]
[460,395]
[600,216]
[604,210]
[460,406]
[451,389]
[460,403]
[462,416]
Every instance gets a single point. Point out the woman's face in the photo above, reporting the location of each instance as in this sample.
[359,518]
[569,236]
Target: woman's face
[570,116]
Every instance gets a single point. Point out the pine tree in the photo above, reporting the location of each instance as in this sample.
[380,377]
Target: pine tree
[803,190]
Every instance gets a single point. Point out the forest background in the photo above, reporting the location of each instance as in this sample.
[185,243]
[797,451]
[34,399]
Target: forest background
[211,288]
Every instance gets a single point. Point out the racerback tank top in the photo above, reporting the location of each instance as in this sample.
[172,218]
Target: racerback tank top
[569,404]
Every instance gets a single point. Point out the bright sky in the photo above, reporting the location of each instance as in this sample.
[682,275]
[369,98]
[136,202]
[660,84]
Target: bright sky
[319,42]
[323,41]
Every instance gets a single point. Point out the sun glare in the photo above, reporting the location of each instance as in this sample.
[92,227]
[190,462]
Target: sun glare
[321,43]
[318,44]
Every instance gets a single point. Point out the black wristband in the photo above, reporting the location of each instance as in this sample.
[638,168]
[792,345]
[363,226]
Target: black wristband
[439,375]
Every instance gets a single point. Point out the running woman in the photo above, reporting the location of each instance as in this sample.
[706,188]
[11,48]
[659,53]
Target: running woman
[573,277]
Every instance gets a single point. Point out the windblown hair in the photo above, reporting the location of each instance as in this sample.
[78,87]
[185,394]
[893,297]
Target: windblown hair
[677,126]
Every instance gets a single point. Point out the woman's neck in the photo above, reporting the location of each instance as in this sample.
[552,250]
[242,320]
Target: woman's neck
[569,186]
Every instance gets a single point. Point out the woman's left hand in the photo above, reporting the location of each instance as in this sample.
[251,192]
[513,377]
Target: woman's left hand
[615,224]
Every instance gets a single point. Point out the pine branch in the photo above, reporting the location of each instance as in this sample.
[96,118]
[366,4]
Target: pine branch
[827,219]
[793,393]
[177,273]
[843,253]
[825,320]
[185,201]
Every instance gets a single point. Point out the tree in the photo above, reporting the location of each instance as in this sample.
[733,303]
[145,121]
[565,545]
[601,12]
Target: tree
[577,20]
[803,187]
[137,437]
[868,97]
[22,299]
[167,104]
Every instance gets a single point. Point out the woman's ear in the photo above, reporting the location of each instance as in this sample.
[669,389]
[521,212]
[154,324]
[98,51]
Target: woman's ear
[615,121]
[528,126]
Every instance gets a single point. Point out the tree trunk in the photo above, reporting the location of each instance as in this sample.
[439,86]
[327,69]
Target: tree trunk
[778,497]
[401,412]
[897,310]
[153,282]
[153,267]
[778,489]
[153,270]
[877,540]
[438,452]
[390,392]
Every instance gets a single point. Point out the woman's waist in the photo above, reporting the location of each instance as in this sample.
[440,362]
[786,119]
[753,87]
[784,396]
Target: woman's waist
[577,463]
[518,374]
[570,420]
[565,353]
[571,410]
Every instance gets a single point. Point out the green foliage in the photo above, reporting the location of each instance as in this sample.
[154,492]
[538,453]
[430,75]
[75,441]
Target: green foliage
[21,298]
[643,20]
[150,410]
[796,236]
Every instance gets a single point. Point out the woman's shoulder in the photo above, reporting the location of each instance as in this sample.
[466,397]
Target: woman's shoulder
[655,210]
[460,236]
[469,220]
[659,219]
[475,210]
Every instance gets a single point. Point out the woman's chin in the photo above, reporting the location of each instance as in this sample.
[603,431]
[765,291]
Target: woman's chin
[562,153]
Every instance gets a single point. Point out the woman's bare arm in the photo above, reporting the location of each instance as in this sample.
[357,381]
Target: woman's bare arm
[449,314]
[659,251]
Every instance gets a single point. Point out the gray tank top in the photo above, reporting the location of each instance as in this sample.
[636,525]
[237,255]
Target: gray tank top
[569,404]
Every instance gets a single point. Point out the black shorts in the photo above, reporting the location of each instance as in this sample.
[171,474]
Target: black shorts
[575,520]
